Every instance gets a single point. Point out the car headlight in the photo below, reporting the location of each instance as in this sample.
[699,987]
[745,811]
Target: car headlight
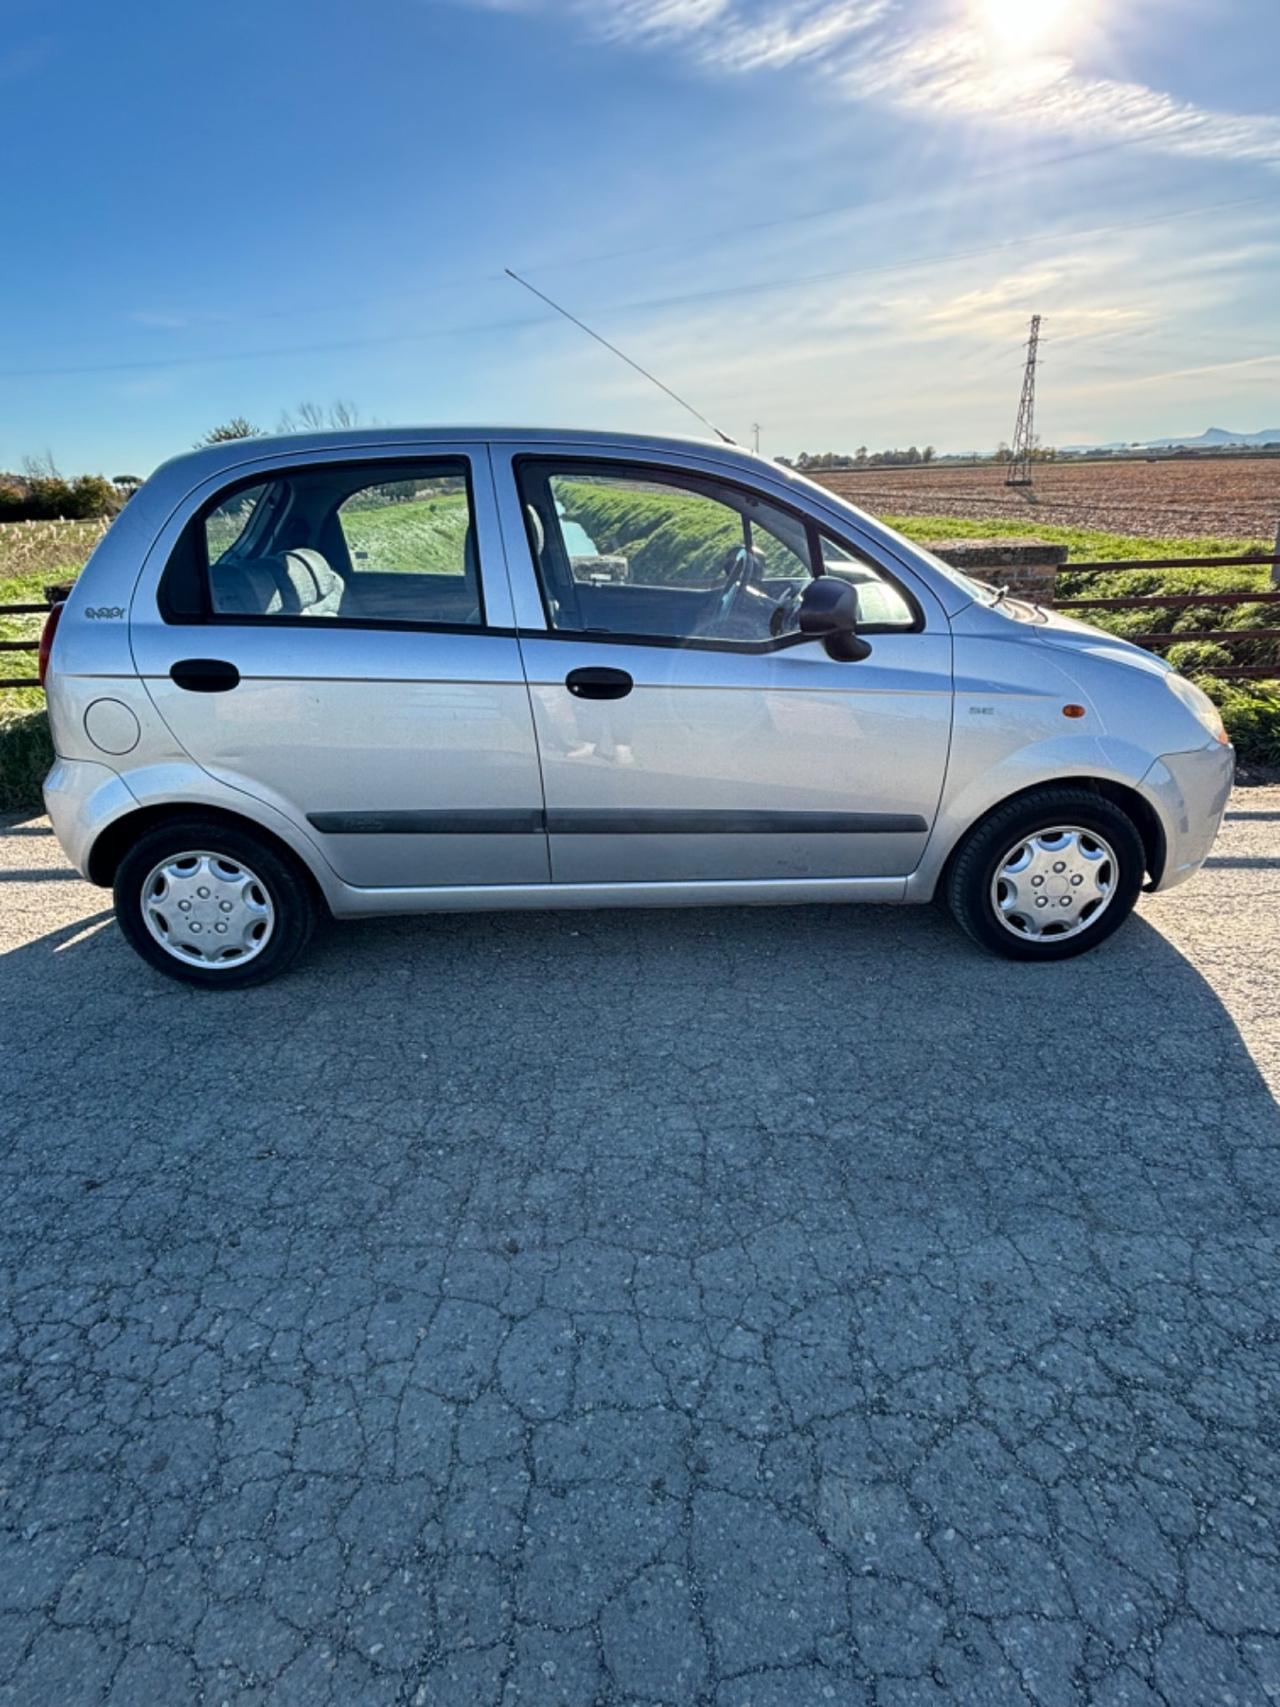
[1199,705]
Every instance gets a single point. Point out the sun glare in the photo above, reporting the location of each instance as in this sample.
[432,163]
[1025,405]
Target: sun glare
[1022,27]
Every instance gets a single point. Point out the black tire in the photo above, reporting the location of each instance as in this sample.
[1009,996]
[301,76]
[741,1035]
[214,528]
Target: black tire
[968,884]
[278,872]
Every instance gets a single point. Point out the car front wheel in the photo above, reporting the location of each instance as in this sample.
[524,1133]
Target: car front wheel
[211,904]
[1048,876]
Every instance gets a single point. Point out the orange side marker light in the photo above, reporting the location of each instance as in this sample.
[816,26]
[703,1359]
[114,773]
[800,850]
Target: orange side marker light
[1073,711]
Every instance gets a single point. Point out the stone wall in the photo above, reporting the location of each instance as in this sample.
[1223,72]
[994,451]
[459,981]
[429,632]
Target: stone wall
[1026,566]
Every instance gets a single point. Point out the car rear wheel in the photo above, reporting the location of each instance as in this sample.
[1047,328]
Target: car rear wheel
[1048,876]
[211,904]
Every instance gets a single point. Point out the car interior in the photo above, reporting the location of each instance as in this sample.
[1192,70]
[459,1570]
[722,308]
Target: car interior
[747,587]
[292,557]
[734,568]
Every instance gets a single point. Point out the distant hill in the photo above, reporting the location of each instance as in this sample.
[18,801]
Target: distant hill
[1212,438]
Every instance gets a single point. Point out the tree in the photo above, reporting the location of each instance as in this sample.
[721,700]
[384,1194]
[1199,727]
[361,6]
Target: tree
[42,494]
[310,417]
[927,454]
[236,428]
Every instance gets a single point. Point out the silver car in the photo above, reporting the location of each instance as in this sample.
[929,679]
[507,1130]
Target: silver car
[407,670]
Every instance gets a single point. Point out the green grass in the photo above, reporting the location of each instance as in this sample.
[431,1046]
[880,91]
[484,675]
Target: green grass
[26,751]
[667,537]
[1083,543]
[425,535]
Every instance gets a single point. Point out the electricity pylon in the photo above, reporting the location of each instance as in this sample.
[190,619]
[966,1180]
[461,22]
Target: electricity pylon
[1024,434]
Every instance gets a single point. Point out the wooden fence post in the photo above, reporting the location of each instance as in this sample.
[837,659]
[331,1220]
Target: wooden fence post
[1275,567]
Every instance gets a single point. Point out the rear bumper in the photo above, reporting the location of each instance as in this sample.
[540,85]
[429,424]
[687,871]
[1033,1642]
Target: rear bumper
[1190,792]
[81,798]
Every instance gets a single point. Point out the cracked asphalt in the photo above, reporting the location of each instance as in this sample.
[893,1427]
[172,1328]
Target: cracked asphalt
[751,1309]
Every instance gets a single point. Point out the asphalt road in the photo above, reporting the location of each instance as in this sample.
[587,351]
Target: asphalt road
[769,1308]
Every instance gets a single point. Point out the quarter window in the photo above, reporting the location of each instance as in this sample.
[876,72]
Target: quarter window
[370,543]
[880,603]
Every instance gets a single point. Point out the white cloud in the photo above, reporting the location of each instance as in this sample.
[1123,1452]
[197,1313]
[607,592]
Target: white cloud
[869,53]
[781,36]
[957,72]
[650,20]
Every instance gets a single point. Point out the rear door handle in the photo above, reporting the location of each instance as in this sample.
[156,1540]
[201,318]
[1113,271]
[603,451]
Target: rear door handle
[598,683]
[205,675]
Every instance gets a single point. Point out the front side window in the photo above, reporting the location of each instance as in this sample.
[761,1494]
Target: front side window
[636,552]
[369,543]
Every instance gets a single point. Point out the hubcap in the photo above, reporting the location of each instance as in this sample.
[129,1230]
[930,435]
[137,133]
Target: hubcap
[208,910]
[1054,884]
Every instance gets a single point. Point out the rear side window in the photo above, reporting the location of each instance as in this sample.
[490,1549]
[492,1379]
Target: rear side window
[367,544]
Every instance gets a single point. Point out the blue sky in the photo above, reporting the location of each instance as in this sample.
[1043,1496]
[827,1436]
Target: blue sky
[833,217]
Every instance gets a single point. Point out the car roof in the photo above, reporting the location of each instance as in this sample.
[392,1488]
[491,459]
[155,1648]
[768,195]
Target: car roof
[207,460]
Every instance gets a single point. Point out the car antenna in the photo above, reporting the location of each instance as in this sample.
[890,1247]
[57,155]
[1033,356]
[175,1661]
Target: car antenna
[652,378]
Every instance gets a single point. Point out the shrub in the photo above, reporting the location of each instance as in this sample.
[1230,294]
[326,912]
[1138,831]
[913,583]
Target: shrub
[1127,623]
[26,752]
[1251,712]
[48,498]
[1194,656]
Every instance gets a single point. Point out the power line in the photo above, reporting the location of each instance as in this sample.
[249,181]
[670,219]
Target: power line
[935,259]
[892,198]
[673,301]
[895,199]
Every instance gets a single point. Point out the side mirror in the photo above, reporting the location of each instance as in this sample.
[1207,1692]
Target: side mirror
[829,612]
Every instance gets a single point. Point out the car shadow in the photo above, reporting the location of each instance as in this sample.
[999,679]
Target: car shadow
[880,1029]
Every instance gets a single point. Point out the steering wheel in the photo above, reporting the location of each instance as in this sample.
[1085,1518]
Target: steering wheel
[785,609]
[740,568]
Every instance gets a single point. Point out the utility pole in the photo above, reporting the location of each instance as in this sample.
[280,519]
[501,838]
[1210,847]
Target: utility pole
[1024,434]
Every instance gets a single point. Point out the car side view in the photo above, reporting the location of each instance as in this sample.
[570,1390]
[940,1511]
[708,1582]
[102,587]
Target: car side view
[411,670]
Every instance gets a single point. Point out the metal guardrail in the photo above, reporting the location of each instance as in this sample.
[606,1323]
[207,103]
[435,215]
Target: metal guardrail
[1100,566]
[55,596]
[1157,642]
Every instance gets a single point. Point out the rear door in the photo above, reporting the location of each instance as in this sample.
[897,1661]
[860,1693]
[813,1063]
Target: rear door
[687,730]
[334,636]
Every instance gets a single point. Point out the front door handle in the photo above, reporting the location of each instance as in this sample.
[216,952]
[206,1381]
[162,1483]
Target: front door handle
[599,683]
[205,675]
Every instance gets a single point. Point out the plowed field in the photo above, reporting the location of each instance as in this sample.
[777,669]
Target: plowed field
[1230,497]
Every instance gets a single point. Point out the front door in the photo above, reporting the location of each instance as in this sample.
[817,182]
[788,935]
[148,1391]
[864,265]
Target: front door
[687,731]
[334,637]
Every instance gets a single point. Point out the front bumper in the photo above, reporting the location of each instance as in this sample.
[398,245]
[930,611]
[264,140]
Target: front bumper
[1190,792]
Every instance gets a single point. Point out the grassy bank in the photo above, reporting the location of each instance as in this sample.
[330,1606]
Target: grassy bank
[1083,543]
